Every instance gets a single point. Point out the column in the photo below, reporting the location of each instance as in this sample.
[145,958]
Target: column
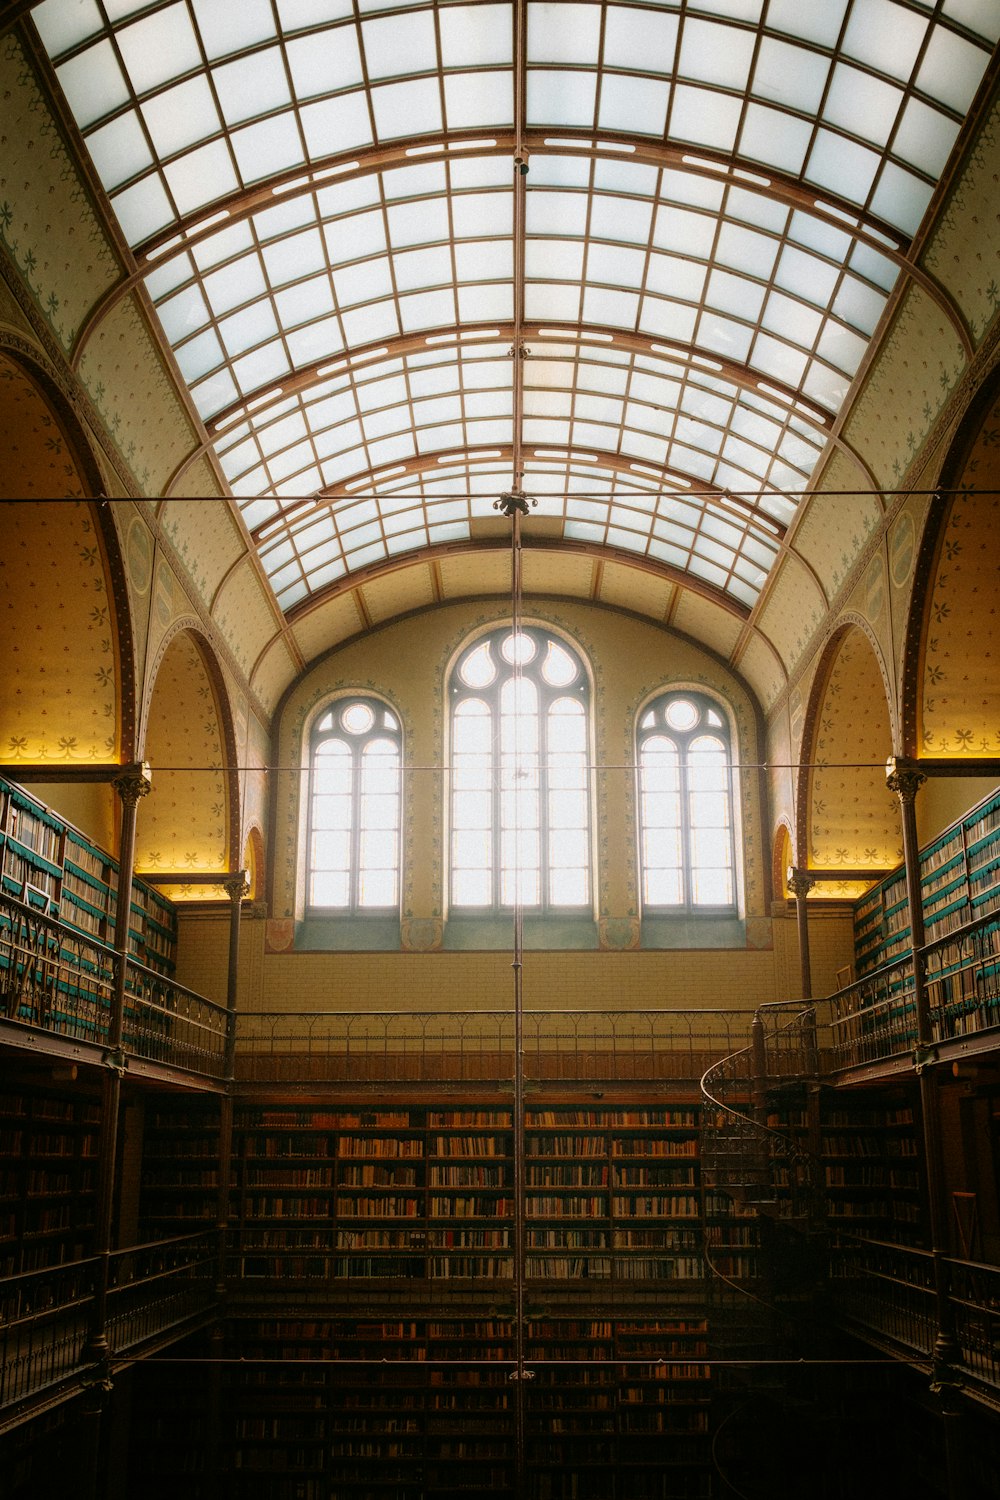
[905,780]
[800,883]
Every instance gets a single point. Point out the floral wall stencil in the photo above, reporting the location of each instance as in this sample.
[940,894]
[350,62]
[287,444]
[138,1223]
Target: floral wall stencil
[38,460]
[853,817]
[960,710]
[59,684]
[183,823]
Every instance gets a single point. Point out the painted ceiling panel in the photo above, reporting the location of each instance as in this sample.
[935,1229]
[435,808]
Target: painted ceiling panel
[275,670]
[760,664]
[632,589]
[835,526]
[706,620]
[244,614]
[625,258]
[326,624]
[487,573]
[206,539]
[398,592]
[793,609]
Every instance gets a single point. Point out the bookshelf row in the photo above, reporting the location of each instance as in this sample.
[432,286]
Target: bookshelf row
[429,1193]
[352,1408]
[52,868]
[960,882]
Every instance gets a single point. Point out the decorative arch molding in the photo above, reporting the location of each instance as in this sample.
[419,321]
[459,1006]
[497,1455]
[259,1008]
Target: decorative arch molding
[66,691]
[86,480]
[957,488]
[782,855]
[869,776]
[222,722]
[253,861]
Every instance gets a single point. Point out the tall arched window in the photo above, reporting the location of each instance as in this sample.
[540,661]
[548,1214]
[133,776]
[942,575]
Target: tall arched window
[685,806]
[520,784]
[354,809]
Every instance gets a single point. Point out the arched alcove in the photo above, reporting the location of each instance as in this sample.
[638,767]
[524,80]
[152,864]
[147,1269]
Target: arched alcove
[189,820]
[41,456]
[847,816]
[781,859]
[253,863]
[953,707]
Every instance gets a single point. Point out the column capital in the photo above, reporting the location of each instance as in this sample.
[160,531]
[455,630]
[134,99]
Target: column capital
[799,882]
[135,782]
[236,886]
[903,777]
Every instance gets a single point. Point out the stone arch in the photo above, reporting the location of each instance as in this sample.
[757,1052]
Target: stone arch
[253,863]
[845,815]
[782,857]
[66,689]
[191,819]
[951,688]
[44,451]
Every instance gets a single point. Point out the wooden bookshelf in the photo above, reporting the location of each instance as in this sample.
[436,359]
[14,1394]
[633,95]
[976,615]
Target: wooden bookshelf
[960,882]
[872,1178]
[53,868]
[48,1178]
[179,1191]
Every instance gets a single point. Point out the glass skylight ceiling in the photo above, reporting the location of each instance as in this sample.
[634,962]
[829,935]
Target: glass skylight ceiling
[322,198]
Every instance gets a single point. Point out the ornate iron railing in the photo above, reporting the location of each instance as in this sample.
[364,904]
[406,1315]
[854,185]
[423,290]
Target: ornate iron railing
[478,1045]
[875,1018]
[887,1293]
[61,981]
[46,1316]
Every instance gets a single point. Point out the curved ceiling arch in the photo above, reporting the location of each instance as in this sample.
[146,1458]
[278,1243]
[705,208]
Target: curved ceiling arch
[747,185]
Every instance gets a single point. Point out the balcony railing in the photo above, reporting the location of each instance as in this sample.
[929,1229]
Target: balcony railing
[887,1293]
[875,1019]
[46,1316]
[478,1045]
[58,980]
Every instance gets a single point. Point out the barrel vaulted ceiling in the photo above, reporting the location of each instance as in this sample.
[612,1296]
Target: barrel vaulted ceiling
[627,258]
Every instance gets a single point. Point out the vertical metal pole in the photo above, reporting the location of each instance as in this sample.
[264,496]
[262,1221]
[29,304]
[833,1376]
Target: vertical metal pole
[519,1168]
[133,784]
[800,883]
[905,780]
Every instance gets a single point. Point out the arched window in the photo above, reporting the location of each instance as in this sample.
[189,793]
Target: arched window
[354,808]
[685,806]
[520,784]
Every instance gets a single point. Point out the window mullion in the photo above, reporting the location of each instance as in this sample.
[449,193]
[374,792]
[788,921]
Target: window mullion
[356,775]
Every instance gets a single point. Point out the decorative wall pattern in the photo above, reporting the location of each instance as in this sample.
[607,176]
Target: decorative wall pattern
[960,709]
[130,386]
[59,684]
[327,625]
[198,479]
[487,574]
[853,817]
[47,220]
[206,538]
[792,610]
[964,252]
[915,372]
[760,666]
[275,671]
[399,592]
[183,823]
[699,618]
[835,528]
[38,460]
[245,615]
[631,588]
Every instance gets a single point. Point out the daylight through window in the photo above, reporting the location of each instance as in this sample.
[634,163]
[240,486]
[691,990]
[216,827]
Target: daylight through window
[355,807]
[520,800]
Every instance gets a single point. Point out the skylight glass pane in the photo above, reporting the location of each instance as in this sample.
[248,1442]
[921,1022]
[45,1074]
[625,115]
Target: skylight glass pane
[119,150]
[93,83]
[227,28]
[251,86]
[159,47]
[181,116]
[64,26]
[323,65]
[475,35]
[202,175]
